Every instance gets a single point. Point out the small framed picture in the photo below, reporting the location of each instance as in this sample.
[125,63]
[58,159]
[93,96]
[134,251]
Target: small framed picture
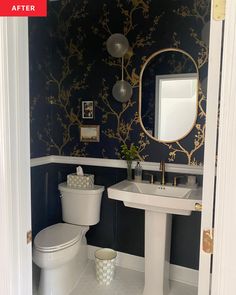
[88,109]
[90,133]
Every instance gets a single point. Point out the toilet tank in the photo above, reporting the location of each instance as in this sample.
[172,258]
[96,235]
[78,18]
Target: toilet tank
[81,206]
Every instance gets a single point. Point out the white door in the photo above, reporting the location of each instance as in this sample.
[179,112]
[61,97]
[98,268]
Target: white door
[224,257]
[213,86]
[15,207]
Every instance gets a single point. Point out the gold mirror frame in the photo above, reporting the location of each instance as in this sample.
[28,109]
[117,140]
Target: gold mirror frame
[140,91]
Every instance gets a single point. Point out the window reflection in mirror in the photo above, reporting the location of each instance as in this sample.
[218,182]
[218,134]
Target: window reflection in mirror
[168,95]
[175,99]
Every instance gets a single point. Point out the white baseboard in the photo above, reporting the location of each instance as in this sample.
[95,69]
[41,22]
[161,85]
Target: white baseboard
[177,273]
[114,163]
[184,275]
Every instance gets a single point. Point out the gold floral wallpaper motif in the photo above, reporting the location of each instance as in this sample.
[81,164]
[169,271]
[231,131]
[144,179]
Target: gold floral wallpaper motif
[69,63]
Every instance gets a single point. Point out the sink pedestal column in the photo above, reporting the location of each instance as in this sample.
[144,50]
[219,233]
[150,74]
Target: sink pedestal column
[157,252]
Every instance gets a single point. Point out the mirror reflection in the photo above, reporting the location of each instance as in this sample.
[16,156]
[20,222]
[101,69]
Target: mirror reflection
[168,95]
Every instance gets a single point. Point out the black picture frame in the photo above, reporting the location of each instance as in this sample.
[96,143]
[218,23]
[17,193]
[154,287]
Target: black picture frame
[88,109]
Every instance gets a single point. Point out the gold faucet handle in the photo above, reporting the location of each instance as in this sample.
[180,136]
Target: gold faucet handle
[151,177]
[176,178]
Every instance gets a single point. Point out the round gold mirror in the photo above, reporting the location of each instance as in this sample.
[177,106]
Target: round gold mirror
[168,95]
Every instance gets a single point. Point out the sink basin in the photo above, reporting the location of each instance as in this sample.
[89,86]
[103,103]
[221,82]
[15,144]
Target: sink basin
[155,197]
[157,190]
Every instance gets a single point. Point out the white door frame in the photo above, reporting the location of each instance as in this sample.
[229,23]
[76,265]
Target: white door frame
[213,92]
[224,257]
[15,209]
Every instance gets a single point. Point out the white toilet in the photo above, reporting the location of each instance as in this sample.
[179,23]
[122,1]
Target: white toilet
[60,250]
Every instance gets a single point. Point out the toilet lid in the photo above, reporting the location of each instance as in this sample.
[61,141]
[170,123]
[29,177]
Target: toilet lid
[58,237]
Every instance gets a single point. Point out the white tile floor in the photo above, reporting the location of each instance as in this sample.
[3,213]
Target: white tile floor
[126,282]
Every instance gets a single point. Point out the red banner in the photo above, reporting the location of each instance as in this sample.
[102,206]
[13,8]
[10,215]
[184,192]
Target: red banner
[23,7]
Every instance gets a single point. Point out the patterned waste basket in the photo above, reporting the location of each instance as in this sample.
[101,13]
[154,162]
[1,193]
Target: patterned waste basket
[105,265]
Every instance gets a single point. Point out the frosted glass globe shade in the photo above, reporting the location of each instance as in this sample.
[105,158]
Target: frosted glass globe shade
[117,45]
[122,91]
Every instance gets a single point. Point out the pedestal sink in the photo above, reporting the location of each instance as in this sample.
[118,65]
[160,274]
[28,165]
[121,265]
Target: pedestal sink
[159,203]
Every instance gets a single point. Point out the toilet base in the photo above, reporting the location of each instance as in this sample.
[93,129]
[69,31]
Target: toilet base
[63,279]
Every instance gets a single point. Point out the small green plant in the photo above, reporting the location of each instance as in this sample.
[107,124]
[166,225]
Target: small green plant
[129,154]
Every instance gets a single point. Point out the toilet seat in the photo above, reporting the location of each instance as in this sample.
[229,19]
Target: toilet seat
[58,236]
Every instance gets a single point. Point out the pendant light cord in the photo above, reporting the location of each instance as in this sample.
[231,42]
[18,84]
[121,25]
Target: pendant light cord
[122,68]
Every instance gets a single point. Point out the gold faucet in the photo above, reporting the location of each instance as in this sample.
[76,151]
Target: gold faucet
[151,180]
[162,169]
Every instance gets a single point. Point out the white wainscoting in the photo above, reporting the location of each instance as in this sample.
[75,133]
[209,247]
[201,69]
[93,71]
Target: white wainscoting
[177,273]
[150,166]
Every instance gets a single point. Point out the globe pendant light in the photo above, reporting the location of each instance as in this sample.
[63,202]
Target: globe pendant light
[117,46]
[122,90]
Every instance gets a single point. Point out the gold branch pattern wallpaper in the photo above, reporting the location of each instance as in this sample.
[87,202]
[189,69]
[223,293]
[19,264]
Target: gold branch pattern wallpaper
[69,64]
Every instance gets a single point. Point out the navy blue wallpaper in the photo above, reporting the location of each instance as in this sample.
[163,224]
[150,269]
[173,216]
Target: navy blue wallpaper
[69,64]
